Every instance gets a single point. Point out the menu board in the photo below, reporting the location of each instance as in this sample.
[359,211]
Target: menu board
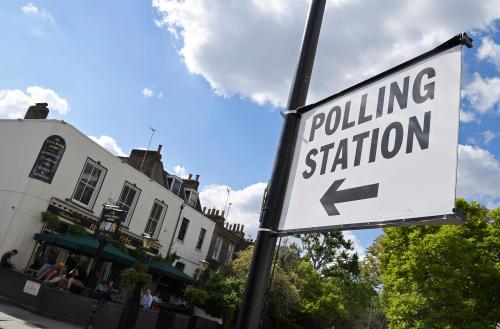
[48,159]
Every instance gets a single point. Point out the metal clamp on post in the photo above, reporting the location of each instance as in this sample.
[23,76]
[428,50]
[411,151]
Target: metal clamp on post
[273,232]
[466,40]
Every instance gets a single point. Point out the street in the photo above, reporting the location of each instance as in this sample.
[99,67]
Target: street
[12,317]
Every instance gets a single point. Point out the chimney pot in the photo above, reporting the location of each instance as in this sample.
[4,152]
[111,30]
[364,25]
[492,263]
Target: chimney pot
[242,226]
[197,177]
[217,212]
[190,175]
[159,148]
[204,209]
[237,228]
[222,214]
[37,111]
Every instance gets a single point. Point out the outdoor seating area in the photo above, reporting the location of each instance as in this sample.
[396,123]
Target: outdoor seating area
[25,291]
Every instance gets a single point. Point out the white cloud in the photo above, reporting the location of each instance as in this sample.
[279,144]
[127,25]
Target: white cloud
[483,94]
[181,171]
[478,175]
[31,10]
[14,102]
[349,235]
[245,204]
[489,135]
[250,47]
[490,51]
[109,143]
[467,116]
[148,92]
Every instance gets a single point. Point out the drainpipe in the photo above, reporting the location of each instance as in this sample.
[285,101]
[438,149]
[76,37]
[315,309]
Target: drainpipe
[175,230]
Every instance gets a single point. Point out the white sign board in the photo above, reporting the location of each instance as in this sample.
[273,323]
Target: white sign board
[31,288]
[383,153]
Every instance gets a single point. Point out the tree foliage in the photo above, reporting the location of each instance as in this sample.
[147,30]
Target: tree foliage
[330,253]
[443,276]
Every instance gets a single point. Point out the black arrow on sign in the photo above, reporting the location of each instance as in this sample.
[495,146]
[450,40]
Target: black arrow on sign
[333,195]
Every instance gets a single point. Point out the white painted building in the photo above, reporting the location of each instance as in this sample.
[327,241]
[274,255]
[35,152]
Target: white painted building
[86,178]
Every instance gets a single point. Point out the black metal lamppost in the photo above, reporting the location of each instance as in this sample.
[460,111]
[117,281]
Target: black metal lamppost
[131,310]
[108,228]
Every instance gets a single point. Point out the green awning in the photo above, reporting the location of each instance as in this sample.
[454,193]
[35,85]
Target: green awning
[87,245]
[167,270]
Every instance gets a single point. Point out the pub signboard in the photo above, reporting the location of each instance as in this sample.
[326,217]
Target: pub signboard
[48,159]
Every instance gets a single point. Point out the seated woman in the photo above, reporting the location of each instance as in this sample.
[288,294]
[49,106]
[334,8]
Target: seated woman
[77,280]
[104,289]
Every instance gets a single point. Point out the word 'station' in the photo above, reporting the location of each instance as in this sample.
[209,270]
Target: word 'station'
[391,136]
[384,152]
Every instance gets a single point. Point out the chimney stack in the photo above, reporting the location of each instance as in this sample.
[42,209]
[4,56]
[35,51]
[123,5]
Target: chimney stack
[159,148]
[37,111]
[222,214]
[197,177]
[190,175]
[217,213]
[242,226]
[204,209]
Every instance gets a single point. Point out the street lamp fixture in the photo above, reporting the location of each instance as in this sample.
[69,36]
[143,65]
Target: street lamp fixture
[147,241]
[203,265]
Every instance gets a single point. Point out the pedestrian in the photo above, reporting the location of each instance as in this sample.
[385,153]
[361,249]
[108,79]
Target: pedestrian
[146,299]
[156,301]
[5,261]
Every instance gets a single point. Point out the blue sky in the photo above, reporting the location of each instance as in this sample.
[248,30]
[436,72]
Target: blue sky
[212,77]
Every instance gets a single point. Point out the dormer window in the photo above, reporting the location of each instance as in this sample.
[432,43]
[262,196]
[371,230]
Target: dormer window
[191,196]
[175,184]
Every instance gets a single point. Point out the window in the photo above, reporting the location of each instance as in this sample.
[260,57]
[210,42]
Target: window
[89,183]
[230,252]
[191,197]
[183,229]
[180,266]
[155,219]
[217,248]
[201,237]
[128,200]
[175,186]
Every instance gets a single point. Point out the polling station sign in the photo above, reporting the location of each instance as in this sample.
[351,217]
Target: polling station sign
[383,153]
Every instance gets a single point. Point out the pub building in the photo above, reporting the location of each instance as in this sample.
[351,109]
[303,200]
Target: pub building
[49,167]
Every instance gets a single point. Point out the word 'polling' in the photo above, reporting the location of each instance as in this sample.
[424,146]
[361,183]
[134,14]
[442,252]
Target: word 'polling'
[388,140]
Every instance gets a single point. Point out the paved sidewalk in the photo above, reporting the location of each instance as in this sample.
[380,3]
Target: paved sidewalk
[12,317]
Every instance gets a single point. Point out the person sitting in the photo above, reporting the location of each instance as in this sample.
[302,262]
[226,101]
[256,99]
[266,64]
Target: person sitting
[104,289]
[53,274]
[156,301]
[5,261]
[77,280]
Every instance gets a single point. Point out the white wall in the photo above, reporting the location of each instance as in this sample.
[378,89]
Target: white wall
[22,199]
[186,249]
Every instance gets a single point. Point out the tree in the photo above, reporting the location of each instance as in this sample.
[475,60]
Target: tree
[444,276]
[330,254]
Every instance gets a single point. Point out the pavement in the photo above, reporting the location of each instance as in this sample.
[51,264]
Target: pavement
[12,317]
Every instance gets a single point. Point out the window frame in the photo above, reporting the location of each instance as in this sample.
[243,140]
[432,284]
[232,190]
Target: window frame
[161,219]
[230,253]
[191,192]
[132,207]
[97,188]
[198,244]
[180,228]
[175,178]
[217,248]
[183,266]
